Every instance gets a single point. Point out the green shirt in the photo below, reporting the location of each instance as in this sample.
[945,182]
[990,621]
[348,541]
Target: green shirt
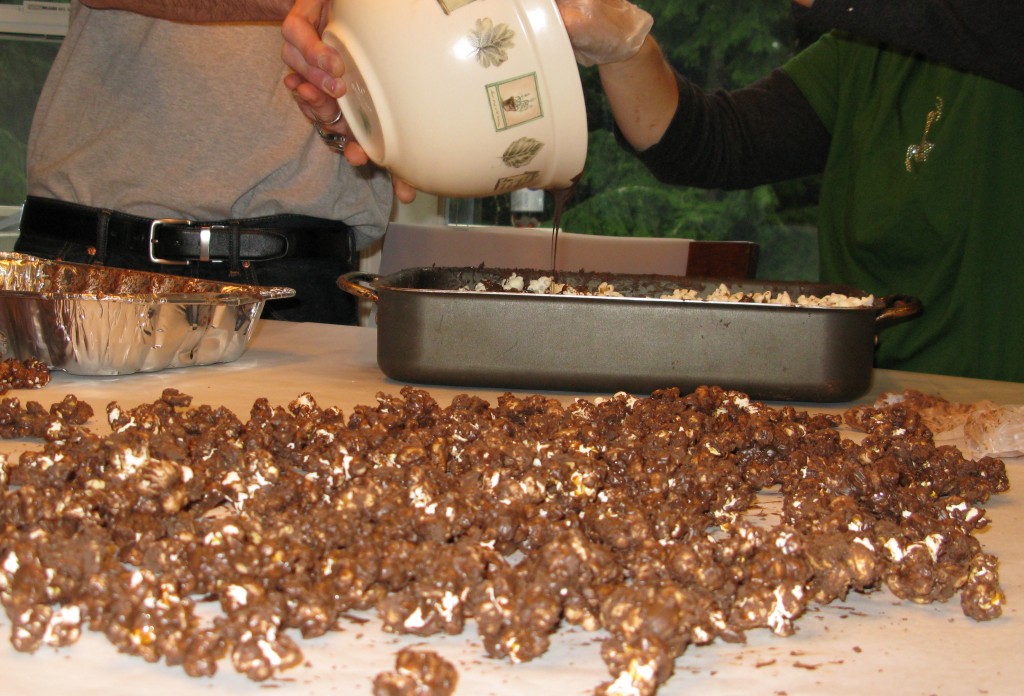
[923,194]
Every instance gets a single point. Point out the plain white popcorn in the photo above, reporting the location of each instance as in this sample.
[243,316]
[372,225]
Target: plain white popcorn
[513,282]
[542,285]
[547,285]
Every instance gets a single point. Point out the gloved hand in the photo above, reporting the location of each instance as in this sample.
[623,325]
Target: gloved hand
[604,31]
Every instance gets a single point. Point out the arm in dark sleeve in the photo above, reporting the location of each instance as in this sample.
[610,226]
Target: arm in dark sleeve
[977,36]
[760,134]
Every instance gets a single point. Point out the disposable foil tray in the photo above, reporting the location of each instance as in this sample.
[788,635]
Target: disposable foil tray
[93,320]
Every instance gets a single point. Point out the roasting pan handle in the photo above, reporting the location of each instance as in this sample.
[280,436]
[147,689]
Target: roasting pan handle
[352,283]
[897,308]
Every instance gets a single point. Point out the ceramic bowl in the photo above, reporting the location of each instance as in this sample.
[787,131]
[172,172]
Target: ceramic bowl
[463,98]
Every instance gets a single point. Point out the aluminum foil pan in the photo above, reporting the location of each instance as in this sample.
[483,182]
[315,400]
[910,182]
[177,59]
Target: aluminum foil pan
[93,320]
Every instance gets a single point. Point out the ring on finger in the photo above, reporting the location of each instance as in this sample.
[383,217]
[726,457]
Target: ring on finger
[335,141]
[319,125]
[328,123]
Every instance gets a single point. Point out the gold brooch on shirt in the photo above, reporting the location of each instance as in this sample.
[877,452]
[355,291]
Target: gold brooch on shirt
[918,152]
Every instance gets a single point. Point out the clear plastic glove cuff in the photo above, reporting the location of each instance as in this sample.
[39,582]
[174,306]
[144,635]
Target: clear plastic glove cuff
[604,31]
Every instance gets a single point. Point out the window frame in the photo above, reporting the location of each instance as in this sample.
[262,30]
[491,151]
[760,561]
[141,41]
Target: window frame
[35,18]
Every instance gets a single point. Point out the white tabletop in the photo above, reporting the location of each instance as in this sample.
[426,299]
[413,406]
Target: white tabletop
[867,643]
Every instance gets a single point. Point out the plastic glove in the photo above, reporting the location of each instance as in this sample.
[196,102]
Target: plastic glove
[604,31]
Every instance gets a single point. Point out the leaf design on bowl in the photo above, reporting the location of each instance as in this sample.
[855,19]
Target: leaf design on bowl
[491,42]
[521,152]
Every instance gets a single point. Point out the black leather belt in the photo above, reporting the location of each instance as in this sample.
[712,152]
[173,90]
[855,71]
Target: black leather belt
[179,241]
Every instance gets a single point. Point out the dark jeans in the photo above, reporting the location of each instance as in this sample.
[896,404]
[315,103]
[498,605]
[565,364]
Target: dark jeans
[314,279]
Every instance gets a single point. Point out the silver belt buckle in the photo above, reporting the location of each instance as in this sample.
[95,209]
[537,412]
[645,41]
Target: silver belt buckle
[204,240]
[171,221]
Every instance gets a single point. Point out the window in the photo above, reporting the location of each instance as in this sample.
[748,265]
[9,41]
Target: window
[717,45]
[34,17]
[30,34]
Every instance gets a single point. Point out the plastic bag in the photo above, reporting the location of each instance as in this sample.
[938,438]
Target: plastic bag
[979,429]
[997,431]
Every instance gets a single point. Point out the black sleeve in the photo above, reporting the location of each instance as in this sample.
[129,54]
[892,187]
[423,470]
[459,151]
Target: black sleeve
[976,36]
[760,134]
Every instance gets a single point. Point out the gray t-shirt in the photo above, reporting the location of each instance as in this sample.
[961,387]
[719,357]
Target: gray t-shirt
[165,119]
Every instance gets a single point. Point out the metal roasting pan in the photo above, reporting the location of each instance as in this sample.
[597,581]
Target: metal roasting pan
[95,320]
[432,331]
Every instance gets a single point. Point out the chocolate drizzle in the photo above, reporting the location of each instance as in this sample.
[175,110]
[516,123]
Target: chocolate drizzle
[561,197]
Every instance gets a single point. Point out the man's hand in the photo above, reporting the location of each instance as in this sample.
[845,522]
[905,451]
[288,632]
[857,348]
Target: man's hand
[306,53]
[316,81]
